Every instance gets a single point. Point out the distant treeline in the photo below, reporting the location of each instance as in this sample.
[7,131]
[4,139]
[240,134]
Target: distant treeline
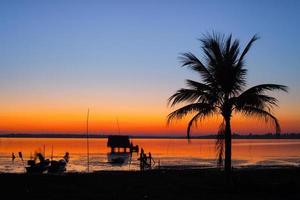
[234,136]
[50,135]
[257,136]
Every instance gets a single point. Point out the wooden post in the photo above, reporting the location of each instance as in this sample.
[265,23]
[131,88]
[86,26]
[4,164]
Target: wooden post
[87,141]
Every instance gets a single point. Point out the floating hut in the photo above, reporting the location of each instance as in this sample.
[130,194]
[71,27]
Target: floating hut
[118,142]
[121,148]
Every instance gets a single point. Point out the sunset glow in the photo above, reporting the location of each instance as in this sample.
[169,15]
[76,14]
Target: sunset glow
[121,62]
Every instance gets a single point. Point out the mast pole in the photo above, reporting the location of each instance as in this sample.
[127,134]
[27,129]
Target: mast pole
[118,125]
[52,153]
[87,140]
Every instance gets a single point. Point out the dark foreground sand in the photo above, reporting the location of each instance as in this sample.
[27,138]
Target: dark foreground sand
[164,184]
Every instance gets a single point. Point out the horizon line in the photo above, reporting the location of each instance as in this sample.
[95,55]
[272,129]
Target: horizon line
[206,136]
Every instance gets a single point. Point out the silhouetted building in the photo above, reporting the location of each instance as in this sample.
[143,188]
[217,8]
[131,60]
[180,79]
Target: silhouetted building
[118,141]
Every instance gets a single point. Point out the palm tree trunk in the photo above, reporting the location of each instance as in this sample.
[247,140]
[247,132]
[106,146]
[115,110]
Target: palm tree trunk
[227,146]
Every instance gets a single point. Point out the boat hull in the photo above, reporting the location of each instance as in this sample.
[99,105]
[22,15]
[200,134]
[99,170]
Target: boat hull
[118,158]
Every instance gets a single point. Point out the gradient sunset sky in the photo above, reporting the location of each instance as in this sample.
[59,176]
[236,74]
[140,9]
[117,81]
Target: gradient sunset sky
[120,59]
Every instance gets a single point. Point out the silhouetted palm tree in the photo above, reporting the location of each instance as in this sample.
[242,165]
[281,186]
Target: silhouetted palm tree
[221,91]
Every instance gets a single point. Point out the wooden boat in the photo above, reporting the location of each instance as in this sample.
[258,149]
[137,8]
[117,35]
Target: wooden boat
[58,167]
[121,149]
[37,167]
[118,158]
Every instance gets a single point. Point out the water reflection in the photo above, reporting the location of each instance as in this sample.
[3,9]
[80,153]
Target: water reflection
[169,153]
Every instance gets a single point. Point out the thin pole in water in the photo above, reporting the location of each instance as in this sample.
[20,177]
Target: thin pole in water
[118,126]
[52,153]
[87,141]
[44,150]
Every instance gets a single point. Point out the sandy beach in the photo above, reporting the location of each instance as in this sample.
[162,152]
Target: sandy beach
[269,183]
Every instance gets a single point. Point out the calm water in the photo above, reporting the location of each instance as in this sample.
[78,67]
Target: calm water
[169,152]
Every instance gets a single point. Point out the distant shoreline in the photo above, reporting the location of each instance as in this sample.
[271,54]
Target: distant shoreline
[234,136]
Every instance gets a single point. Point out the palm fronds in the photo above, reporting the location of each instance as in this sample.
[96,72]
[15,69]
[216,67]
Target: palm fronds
[188,109]
[247,48]
[222,89]
[261,114]
[191,61]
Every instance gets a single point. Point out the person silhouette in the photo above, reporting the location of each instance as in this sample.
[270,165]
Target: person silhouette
[21,156]
[13,157]
[150,160]
[142,159]
[67,157]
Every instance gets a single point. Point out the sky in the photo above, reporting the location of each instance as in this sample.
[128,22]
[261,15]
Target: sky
[120,60]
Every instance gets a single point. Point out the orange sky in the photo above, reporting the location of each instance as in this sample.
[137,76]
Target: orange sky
[136,120]
[121,61]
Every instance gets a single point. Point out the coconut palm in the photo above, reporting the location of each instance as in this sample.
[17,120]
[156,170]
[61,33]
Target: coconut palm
[222,90]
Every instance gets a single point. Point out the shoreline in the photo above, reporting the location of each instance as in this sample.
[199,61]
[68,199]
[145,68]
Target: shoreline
[156,184]
[100,136]
[179,168]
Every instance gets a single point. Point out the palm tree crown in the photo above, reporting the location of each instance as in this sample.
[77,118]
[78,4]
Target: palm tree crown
[222,89]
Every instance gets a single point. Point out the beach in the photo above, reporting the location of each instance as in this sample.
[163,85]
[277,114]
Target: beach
[250,183]
[263,169]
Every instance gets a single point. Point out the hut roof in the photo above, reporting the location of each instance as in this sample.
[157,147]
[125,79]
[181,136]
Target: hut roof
[118,141]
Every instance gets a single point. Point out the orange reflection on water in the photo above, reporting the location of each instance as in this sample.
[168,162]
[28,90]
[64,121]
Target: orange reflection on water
[250,150]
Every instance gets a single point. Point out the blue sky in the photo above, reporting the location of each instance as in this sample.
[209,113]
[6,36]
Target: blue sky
[110,50]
